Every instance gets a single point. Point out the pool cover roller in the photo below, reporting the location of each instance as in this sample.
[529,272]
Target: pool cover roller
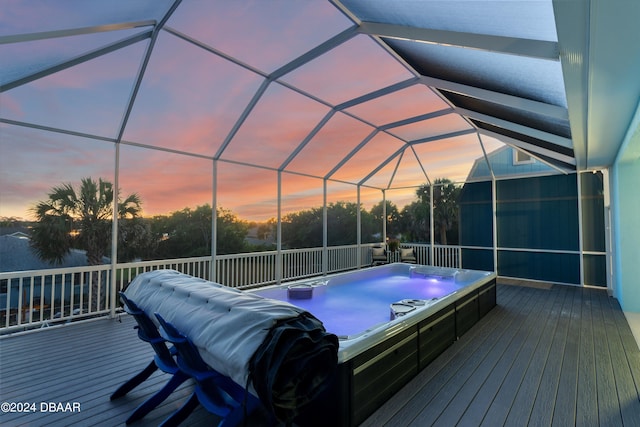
[280,352]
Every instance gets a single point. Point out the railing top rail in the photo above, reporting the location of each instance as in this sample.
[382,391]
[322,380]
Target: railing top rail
[53,271]
[163,261]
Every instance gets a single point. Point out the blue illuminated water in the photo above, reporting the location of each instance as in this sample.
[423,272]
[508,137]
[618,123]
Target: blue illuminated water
[351,308]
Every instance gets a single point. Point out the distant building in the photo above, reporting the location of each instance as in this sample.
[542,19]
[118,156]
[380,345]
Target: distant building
[507,161]
[16,254]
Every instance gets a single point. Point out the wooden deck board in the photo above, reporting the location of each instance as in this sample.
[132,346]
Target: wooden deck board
[504,393]
[447,371]
[627,392]
[587,398]
[554,356]
[547,375]
[402,407]
[459,349]
[83,363]
[608,408]
[479,391]
[524,397]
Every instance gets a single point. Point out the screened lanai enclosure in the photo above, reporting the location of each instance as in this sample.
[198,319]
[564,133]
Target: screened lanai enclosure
[285,147]
[267,141]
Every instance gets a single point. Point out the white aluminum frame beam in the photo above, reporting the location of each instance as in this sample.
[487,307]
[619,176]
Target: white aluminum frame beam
[45,35]
[443,136]
[530,147]
[415,119]
[346,158]
[143,67]
[308,138]
[310,55]
[515,127]
[537,107]
[47,71]
[542,49]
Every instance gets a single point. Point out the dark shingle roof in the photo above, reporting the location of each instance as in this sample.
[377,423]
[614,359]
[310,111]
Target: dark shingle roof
[17,255]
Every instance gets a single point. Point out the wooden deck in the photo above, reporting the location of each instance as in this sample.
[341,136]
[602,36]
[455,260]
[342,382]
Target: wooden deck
[558,356]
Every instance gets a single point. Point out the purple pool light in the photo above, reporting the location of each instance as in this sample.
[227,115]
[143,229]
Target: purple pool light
[349,309]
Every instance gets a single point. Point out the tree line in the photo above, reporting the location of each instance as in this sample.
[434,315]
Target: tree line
[410,224]
[80,218]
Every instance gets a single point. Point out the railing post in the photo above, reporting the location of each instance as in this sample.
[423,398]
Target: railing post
[325,232]
[111,291]
[431,222]
[358,231]
[214,223]
[279,232]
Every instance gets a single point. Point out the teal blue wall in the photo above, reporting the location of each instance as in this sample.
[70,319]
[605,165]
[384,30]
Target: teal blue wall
[537,219]
[476,225]
[626,212]
[476,215]
[538,213]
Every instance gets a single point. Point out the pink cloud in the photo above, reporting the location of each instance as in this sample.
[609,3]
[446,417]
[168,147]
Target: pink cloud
[303,26]
[10,107]
[374,153]
[330,146]
[33,161]
[189,99]
[410,102]
[450,158]
[352,69]
[277,125]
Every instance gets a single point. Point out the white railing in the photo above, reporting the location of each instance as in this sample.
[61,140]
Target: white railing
[447,256]
[443,255]
[341,258]
[300,263]
[43,297]
[46,296]
[196,266]
[423,252]
[246,270]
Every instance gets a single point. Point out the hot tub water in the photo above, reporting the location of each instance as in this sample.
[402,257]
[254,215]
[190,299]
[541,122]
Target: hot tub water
[362,304]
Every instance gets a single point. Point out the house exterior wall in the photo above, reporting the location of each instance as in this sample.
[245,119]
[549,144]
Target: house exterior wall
[626,207]
[549,227]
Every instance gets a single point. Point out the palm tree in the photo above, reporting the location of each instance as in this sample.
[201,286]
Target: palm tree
[79,219]
[445,205]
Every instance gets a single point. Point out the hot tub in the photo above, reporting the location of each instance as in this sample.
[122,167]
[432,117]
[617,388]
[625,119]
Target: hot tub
[392,321]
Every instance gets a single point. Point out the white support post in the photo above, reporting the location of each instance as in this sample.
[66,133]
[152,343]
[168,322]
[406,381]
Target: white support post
[358,231]
[494,208]
[214,222]
[580,239]
[325,252]
[608,230]
[279,232]
[114,233]
[432,240]
[384,216]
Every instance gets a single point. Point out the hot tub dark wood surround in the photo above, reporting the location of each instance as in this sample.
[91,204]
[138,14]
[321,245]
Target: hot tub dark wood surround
[369,379]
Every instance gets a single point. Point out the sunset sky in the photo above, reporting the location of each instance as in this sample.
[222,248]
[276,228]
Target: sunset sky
[192,96]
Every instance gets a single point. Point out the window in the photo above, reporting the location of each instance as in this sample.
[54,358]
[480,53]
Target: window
[522,158]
